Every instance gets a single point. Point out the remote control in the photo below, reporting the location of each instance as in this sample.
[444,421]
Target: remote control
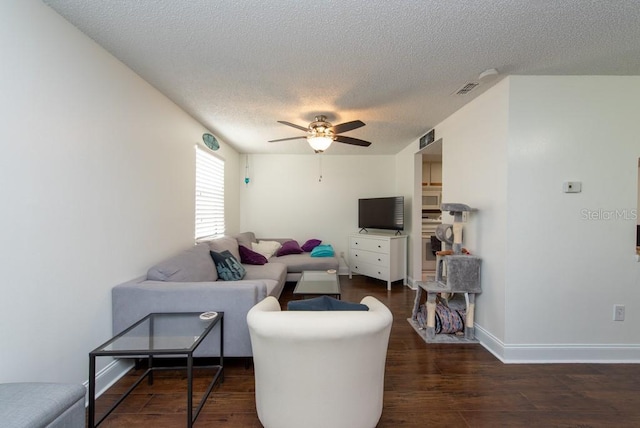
[208,315]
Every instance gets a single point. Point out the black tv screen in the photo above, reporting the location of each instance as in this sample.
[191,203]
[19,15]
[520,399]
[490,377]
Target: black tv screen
[381,213]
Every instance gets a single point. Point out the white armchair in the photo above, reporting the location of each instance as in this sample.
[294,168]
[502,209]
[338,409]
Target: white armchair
[319,368]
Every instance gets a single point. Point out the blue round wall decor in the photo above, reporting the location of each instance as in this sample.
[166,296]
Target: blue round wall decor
[210,141]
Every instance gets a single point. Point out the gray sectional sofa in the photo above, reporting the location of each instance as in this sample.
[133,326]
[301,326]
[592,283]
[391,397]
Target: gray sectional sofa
[40,404]
[188,282]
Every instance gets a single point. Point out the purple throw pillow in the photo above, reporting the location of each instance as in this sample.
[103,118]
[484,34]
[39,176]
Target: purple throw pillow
[289,247]
[310,245]
[250,257]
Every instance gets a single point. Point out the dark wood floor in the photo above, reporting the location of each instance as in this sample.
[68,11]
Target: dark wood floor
[425,385]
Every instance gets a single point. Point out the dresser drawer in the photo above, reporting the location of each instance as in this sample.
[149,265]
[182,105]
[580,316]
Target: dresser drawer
[379,272]
[379,256]
[370,244]
[361,256]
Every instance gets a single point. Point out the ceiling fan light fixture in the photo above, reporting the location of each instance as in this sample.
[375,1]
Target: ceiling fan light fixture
[319,143]
[320,133]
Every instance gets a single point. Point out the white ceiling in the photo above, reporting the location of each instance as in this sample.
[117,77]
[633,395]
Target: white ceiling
[239,66]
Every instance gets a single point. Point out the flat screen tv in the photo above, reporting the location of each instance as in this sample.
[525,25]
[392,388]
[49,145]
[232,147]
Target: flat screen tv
[381,213]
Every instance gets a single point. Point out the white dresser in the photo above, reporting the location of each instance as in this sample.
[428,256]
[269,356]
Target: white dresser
[379,256]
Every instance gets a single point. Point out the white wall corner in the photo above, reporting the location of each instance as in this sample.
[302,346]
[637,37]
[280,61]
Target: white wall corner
[490,342]
[108,376]
[411,283]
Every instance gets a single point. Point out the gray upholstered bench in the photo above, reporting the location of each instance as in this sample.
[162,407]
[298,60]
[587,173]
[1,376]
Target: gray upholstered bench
[38,404]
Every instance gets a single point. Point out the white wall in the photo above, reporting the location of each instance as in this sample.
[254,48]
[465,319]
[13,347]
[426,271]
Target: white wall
[566,271]
[97,183]
[286,199]
[474,156]
[409,166]
[554,264]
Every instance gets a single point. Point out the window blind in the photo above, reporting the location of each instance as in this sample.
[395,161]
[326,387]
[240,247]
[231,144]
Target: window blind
[209,195]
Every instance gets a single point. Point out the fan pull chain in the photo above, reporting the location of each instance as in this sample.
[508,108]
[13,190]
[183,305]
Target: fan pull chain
[246,171]
[320,161]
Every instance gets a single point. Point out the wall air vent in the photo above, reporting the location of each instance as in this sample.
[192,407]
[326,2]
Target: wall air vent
[468,87]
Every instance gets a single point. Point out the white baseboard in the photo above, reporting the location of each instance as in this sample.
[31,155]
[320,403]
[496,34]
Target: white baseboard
[411,283]
[558,353]
[108,376]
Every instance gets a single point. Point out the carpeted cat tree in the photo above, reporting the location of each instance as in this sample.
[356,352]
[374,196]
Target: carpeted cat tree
[457,271]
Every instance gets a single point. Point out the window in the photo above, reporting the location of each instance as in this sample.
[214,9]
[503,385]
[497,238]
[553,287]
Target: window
[209,194]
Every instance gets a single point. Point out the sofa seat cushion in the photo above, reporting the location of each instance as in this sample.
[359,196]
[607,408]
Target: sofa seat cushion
[273,271]
[297,263]
[191,265]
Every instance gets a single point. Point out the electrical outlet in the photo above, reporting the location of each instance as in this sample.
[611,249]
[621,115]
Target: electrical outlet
[618,312]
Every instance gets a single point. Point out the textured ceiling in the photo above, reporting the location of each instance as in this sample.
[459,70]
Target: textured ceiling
[239,66]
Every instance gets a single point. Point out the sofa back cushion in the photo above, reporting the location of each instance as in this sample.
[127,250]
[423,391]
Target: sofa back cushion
[191,265]
[225,243]
[246,238]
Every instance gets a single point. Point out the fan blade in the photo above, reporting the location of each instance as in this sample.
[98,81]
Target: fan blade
[286,139]
[294,125]
[347,126]
[353,141]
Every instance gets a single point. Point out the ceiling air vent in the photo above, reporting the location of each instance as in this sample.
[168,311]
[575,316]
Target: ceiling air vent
[468,87]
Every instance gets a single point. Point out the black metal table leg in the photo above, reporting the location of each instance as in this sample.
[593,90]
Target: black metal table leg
[92,390]
[189,390]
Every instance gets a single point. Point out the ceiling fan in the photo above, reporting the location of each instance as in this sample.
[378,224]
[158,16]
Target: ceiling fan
[321,133]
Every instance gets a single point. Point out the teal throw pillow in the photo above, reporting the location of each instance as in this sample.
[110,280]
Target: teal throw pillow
[228,267]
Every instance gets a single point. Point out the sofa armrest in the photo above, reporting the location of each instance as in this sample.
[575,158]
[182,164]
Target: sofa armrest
[138,298]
